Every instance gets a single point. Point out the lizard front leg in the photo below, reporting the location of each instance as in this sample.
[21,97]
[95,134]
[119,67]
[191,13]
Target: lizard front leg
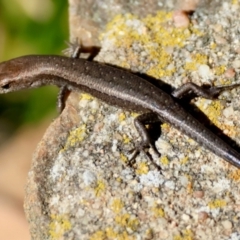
[75,50]
[200,91]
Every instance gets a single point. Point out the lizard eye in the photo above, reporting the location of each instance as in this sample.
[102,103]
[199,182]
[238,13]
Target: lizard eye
[6,86]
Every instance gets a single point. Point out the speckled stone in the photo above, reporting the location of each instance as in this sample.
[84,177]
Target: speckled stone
[80,186]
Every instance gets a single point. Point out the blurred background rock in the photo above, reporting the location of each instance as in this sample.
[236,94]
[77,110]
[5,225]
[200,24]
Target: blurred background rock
[26,27]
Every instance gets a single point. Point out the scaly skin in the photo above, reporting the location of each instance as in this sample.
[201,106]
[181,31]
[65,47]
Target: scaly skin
[116,87]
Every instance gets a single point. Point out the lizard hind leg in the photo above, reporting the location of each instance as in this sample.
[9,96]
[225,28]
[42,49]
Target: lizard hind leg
[147,142]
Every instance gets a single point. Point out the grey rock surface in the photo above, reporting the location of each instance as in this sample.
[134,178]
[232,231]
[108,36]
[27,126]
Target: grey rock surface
[80,186]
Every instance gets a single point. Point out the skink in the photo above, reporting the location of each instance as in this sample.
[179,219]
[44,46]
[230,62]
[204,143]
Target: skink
[120,88]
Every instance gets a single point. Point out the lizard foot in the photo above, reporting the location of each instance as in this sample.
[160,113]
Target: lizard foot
[144,147]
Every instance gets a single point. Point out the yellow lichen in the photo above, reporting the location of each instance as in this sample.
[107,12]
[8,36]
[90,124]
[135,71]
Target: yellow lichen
[217,203]
[58,226]
[123,158]
[164,160]
[126,139]
[122,117]
[100,188]
[158,211]
[154,34]
[197,59]
[213,45]
[109,233]
[99,235]
[125,220]
[142,168]
[200,58]
[134,114]
[86,96]
[165,126]
[158,71]
[75,136]
[149,234]
[212,110]
[184,160]
[196,31]
[117,205]
[165,34]
[219,70]
[190,66]
[119,179]
[186,235]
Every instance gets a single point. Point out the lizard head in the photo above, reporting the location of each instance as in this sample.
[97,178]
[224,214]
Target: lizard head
[13,75]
